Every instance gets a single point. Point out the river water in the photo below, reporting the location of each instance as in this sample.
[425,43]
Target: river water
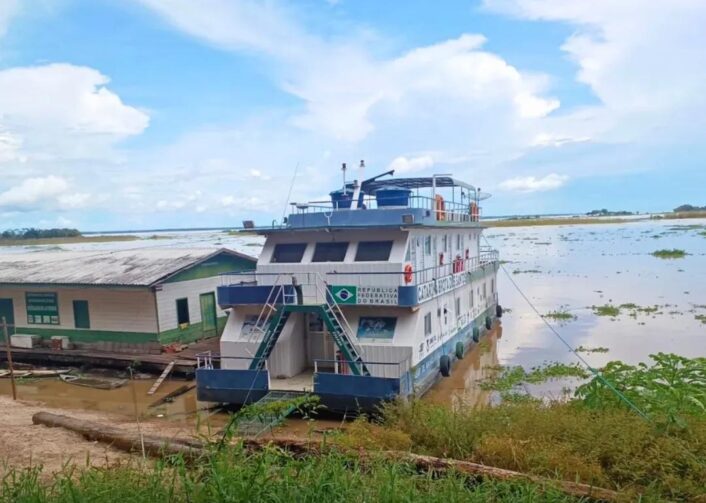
[567,268]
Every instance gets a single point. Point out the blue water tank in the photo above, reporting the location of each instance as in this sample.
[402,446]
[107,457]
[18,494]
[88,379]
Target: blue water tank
[342,199]
[392,196]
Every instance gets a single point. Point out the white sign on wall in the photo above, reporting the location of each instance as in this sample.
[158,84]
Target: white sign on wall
[386,296]
[431,289]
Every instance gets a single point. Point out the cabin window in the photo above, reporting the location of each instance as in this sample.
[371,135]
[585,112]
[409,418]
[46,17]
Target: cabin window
[182,309]
[485,293]
[459,242]
[371,251]
[427,324]
[492,286]
[471,297]
[330,252]
[288,253]
[458,307]
[427,245]
[445,246]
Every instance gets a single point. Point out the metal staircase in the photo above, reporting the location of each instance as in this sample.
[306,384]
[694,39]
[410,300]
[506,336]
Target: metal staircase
[276,312]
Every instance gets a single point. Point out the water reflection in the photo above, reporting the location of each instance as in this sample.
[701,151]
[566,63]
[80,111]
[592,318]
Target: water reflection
[462,388]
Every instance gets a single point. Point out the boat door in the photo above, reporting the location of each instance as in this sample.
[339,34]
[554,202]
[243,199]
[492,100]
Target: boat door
[7,311]
[208,313]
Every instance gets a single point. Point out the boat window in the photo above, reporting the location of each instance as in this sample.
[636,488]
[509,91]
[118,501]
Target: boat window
[445,246]
[427,245]
[369,251]
[471,297]
[330,252]
[458,307]
[427,324]
[182,308]
[382,327]
[288,253]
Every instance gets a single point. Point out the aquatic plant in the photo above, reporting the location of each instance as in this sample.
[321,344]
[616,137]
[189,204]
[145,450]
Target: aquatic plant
[669,389]
[669,254]
[507,378]
[606,310]
[560,315]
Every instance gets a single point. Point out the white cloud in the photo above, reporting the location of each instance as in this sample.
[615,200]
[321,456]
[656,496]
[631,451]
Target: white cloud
[32,191]
[404,164]
[552,181]
[61,111]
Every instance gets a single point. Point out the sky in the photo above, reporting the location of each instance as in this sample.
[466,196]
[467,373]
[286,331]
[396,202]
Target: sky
[144,114]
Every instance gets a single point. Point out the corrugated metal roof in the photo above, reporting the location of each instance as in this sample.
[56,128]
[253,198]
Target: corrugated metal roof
[141,267]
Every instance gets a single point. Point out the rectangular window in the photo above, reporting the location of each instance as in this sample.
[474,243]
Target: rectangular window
[427,245]
[370,251]
[459,245]
[42,308]
[330,252]
[445,246]
[485,293]
[427,324]
[471,298]
[458,307]
[288,253]
[492,286]
[81,317]
[182,309]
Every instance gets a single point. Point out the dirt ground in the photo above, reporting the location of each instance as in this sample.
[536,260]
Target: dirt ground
[24,444]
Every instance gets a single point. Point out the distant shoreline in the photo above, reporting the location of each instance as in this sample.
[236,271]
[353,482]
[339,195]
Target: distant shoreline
[67,240]
[578,220]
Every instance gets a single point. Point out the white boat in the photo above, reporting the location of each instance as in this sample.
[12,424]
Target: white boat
[363,298]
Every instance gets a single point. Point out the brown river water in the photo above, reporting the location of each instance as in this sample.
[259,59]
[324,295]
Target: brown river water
[569,268]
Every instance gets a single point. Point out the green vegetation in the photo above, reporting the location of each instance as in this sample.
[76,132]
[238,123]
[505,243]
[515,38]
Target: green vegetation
[560,315]
[688,207]
[32,233]
[669,254]
[584,349]
[526,271]
[536,221]
[701,318]
[508,379]
[234,474]
[606,310]
[605,213]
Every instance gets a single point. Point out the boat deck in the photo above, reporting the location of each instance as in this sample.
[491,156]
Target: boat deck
[303,381]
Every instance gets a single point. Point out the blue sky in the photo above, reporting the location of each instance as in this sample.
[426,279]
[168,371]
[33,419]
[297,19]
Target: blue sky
[120,114]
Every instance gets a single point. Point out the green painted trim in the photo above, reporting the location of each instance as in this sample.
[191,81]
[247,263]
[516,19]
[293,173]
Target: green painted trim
[192,333]
[91,335]
[220,264]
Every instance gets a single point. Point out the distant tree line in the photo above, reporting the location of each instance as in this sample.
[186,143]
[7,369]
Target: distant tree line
[605,213]
[688,207]
[31,233]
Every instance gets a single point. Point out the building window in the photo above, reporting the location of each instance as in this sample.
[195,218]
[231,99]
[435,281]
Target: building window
[492,286]
[330,252]
[458,307]
[484,291]
[427,245]
[427,324]
[371,251]
[446,243]
[81,317]
[471,297]
[42,308]
[459,245]
[288,253]
[182,309]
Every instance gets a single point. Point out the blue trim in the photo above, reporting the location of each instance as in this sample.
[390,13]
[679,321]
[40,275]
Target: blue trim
[233,295]
[231,386]
[348,385]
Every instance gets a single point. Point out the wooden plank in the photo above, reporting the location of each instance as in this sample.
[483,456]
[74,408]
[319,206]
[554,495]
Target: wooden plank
[161,378]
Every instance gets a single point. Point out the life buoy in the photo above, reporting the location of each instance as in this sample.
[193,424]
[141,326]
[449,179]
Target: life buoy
[408,274]
[440,207]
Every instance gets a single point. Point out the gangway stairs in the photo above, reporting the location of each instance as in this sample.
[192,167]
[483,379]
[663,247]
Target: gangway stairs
[261,422]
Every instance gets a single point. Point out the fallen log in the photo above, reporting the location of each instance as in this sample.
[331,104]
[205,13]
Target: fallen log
[170,396]
[156,445]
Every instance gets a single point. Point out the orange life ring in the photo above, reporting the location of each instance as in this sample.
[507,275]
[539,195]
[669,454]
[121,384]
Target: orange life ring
[440,207]
[408,274]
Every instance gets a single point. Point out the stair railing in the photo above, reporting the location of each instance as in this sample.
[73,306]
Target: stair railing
[261,324]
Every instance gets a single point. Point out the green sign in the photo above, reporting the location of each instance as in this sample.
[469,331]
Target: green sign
[345,294]
[42,308]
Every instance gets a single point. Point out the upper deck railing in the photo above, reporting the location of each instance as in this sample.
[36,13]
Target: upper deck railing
[441,210]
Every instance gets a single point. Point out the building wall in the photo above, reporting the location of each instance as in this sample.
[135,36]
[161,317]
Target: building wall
[167,295]
[121,315]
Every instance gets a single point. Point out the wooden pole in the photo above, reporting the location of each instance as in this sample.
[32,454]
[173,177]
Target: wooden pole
[9,358]
[137,414]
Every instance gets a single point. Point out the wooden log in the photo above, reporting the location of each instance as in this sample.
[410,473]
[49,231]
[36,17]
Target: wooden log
[156,445]
[170,396]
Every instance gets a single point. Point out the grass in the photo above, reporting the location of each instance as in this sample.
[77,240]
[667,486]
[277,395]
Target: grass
[669,254]
[234,475]
[532,222]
